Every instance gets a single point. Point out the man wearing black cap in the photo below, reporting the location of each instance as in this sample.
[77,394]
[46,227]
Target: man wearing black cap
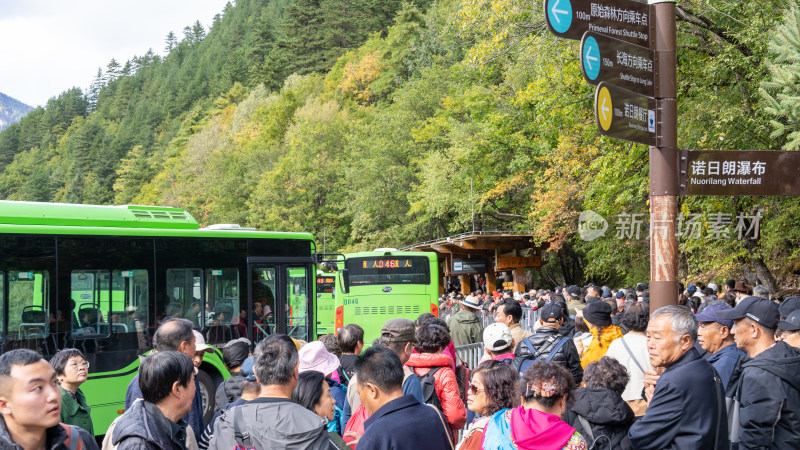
[788,305]
[769,386]
[547,339]
[573,296]
[791,329]
[233,355]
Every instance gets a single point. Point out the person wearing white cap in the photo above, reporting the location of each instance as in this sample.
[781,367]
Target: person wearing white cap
[498,342]
[200,349]
[465,328]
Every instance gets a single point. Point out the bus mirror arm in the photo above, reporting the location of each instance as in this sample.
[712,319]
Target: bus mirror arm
[326,257]
[345,276]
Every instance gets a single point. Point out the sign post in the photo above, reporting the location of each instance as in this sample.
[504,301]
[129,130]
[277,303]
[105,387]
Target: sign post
[628,48]
[664,166]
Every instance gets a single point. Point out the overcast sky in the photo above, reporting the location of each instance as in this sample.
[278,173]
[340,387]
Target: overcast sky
[49,46]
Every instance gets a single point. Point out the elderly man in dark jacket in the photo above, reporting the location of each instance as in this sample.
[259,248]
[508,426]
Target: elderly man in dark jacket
[547,339]
[686,406]
[768,390]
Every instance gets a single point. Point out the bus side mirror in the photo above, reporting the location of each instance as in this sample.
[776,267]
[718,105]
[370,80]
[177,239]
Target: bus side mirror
[345,274]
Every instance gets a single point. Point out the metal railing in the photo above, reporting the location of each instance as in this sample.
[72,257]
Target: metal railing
[471,354]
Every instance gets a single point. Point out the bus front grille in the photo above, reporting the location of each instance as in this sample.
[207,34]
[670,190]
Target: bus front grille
[385,310]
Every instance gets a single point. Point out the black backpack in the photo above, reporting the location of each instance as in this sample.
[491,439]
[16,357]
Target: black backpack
[428,383]
[522,363]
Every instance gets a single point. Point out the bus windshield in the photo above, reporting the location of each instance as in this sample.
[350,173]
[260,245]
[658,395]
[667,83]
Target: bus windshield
[389,270]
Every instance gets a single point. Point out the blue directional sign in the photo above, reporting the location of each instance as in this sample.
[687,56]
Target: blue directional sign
[591,58]
[559,12]
[628,20]
[623,64]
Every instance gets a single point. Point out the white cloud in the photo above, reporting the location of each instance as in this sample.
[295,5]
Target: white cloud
[49,46]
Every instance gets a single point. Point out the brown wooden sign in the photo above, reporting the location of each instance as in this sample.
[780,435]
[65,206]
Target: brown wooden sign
[739,172]
[517,262]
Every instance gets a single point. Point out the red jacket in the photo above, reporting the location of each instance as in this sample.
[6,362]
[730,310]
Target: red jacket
[445,385]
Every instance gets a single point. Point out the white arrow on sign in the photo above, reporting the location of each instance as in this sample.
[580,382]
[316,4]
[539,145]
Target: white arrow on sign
[603,108]
[590,58]
[556,12]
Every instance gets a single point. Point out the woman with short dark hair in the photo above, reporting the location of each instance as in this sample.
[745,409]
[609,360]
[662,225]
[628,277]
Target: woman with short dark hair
[72,369]
[547,390]
[599,413]
[313,393]
[493,388]
[431,340]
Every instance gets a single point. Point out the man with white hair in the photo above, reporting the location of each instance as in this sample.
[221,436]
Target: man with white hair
[686,408]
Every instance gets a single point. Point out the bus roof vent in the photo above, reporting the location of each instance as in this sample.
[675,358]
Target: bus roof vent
[385,250]
[228,227]
[71,215]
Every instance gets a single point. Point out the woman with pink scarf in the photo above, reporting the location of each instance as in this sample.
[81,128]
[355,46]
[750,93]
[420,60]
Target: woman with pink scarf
[546,389]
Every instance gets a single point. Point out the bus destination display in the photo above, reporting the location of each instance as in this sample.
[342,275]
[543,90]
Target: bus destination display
[389,270]
[325,285]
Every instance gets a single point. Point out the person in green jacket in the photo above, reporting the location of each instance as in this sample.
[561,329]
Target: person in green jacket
[71,371]
[465,327]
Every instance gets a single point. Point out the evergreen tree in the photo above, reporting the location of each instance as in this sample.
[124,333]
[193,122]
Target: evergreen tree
[171,42]
[782,90]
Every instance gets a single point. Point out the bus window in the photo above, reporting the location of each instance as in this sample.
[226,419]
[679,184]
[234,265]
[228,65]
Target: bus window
[2,301]
[297,299]
[90,292]
[129,303]
[184,295]
[263,302]
[28,321]
[224,313]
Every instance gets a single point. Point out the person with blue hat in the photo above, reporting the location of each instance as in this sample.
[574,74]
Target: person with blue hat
[768,389]
[714,336]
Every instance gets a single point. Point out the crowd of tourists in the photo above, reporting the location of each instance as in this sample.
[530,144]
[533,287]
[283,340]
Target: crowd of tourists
[600,370]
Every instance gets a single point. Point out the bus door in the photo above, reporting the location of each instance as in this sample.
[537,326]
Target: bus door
[279,299]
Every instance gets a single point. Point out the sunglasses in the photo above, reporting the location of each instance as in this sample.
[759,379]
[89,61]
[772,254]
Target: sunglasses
[474,389]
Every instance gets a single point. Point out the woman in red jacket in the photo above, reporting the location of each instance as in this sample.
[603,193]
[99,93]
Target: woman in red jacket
[431,340]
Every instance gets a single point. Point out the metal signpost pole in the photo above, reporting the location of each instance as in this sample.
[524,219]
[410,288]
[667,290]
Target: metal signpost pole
[664,165]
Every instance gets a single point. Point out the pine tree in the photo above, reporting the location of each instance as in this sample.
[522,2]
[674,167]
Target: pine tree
[94,89]
[112,71]
[782,90]
[171,42]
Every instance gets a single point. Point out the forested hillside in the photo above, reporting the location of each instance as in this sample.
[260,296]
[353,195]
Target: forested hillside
[11,110]
[369,121]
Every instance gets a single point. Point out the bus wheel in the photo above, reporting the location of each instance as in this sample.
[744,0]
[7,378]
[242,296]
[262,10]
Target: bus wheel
[208,391]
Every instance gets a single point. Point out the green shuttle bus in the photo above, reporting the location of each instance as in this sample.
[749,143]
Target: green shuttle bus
[326,283]
[102,278]
[384,284]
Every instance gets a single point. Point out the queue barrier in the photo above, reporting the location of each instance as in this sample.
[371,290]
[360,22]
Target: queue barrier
[471,354]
